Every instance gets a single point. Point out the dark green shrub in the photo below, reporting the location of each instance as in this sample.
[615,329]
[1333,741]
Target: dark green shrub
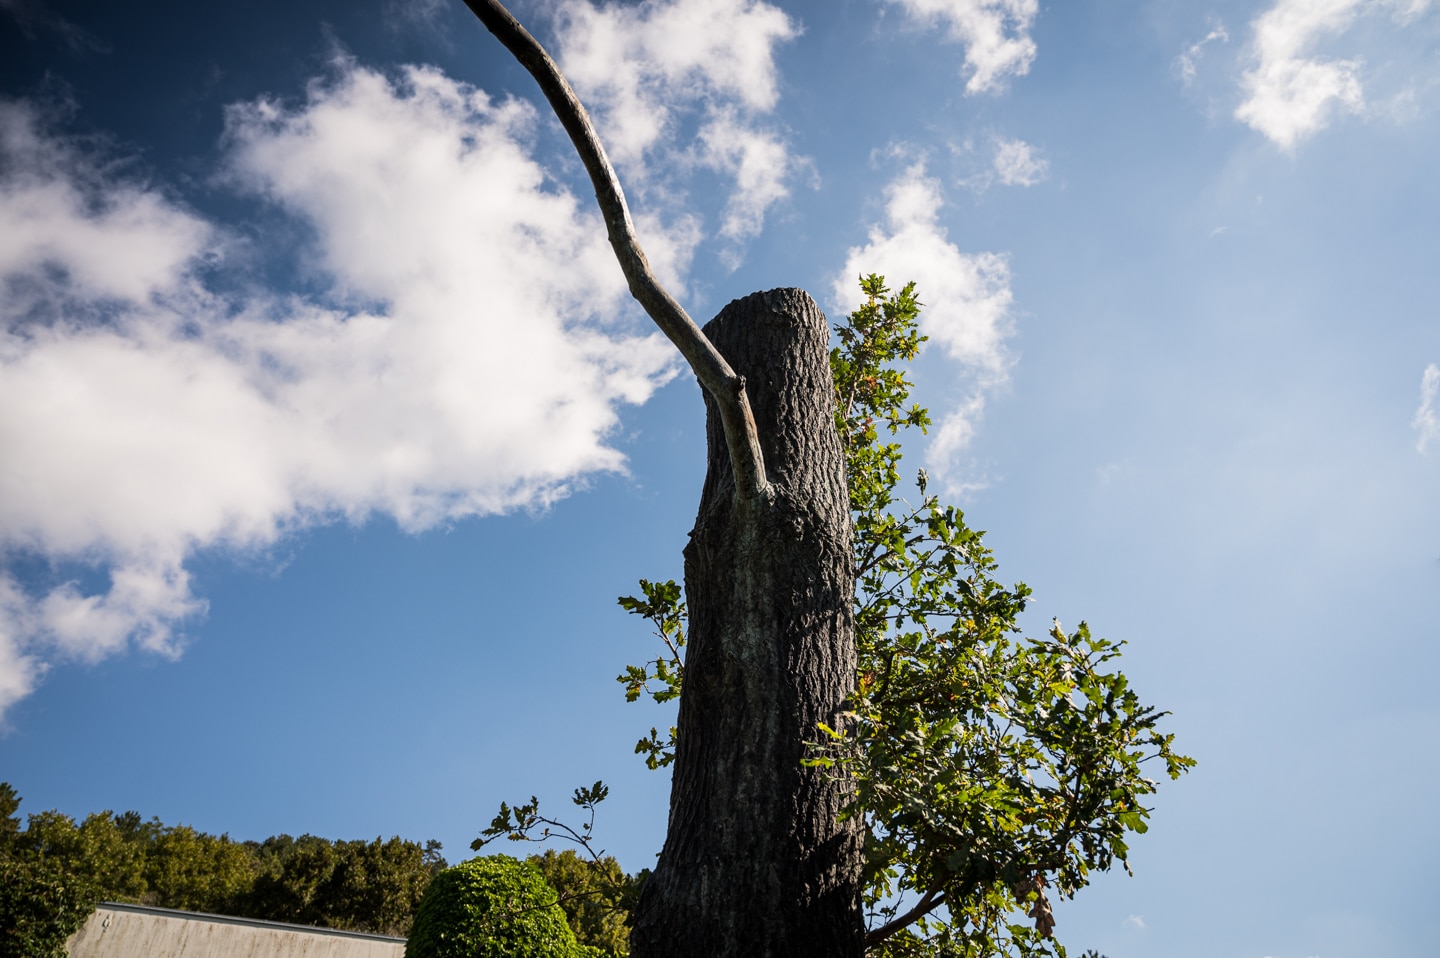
[40,907]
[491,907]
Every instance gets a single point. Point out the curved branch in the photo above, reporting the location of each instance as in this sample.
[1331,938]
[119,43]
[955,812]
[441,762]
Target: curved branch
[931,900]
[714,373]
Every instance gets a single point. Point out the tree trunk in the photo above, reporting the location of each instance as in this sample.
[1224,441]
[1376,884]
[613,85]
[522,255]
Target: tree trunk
[756,862]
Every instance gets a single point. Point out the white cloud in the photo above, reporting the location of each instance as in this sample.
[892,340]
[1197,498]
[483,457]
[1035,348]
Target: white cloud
[1135,921]
[967,299]
[760,164]
[1016,163]
[644,68]
[133,243]
[1291,94]
[1426,422]
[145,417]
[995,34]
[1188,62]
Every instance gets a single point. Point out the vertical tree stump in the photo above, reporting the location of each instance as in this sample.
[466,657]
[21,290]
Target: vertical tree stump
[756,862]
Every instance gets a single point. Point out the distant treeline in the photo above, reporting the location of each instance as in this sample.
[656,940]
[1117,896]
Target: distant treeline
[53,870]
[370,886]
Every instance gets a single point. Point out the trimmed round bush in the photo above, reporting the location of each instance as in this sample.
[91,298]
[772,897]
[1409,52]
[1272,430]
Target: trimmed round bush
[491,907]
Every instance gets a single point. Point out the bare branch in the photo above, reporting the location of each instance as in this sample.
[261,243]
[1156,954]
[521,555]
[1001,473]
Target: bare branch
[714,373]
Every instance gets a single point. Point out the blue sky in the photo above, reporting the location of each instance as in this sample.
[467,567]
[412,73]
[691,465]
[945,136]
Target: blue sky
[328,436]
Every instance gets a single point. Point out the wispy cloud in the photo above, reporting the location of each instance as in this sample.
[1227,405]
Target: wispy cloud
[760,164]
[1291,93]
[1188,62]
[994,33]
[145,416]
[1017,163]
[33,17]
[1134,921]
[1426,422]
[967,297]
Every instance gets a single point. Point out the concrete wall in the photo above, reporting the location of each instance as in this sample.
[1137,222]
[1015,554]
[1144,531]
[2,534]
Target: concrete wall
[135,931]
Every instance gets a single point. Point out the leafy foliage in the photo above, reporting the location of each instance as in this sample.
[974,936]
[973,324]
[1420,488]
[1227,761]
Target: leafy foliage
[491,907]
[40,904]
[989,767]
[665,610]
[594,892]
[40,907]
[361,886]
[195,871]
[596,896]
[356,885]
[9,821]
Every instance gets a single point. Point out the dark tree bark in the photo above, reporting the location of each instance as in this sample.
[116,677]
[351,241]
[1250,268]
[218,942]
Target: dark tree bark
[756,862]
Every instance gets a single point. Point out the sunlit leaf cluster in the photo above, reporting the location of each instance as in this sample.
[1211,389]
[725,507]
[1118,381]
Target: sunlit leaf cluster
[990,767]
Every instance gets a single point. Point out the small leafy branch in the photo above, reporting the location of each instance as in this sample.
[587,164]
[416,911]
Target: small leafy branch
[665,610]
[522,822]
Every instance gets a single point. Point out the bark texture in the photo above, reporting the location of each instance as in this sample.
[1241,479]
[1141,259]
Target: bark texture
[755,861]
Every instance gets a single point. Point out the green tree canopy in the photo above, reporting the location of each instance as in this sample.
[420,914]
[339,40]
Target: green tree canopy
[41,905]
